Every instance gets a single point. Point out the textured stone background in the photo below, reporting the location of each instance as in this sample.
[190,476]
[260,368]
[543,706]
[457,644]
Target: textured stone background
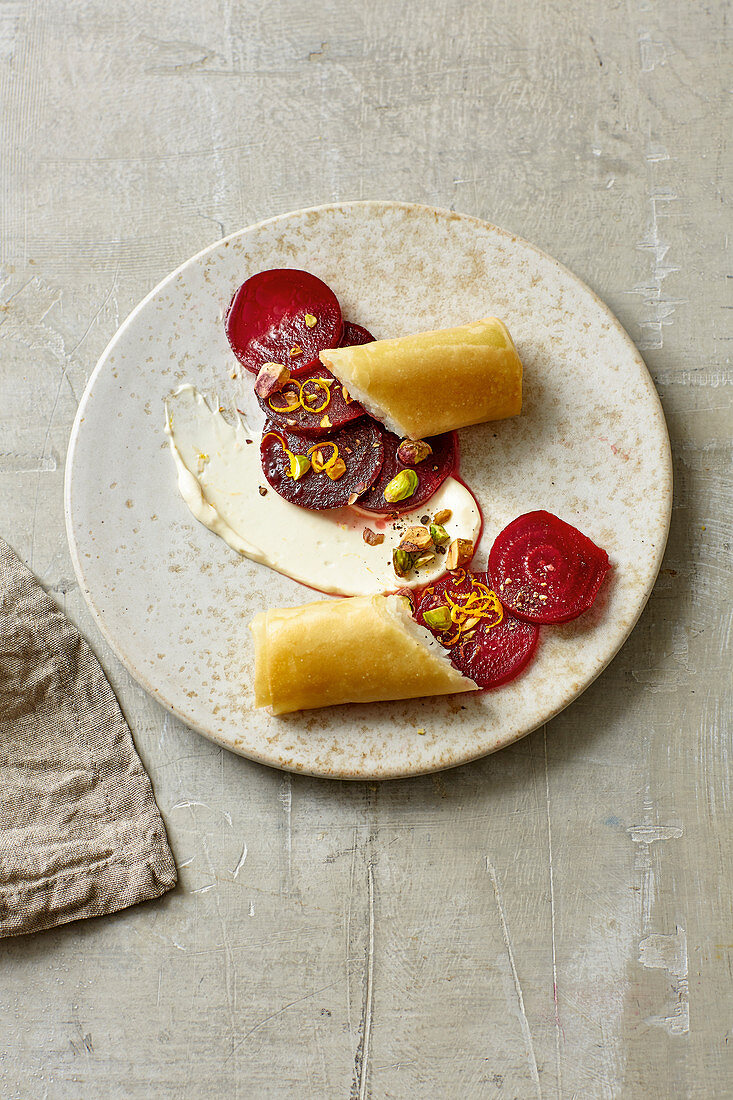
[553,921]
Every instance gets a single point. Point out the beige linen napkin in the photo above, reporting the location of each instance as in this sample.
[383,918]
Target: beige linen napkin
[80,833]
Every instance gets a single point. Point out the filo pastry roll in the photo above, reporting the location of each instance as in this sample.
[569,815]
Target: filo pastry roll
[359,650]
[432,382]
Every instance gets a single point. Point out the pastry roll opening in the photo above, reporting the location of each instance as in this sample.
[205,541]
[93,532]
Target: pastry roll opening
[360,650]
[432,382]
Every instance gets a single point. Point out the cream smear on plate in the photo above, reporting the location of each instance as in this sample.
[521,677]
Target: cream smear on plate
[220,478]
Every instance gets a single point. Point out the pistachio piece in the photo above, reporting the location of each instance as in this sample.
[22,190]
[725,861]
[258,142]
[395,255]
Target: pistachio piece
[413,451]
[346,395]
[438,534]
[424,559]
[438,618]
[402,486]
[325,422]
[442,516]
[295,351]
[336,469]
[401,562]
[460,553]
[271,378]
[310,320]
[415,540]
[299,465]
[372,538]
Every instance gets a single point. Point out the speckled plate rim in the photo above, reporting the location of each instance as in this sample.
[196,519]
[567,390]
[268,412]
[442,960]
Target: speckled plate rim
[379,772]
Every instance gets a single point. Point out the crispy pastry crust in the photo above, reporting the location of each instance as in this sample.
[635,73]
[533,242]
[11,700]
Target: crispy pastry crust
[358,650]
[432,382]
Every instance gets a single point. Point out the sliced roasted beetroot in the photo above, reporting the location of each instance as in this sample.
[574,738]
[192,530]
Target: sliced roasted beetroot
[490,655]
[358,445]
[431,473]
[355,334]
[545,570]
[323,404]
[271,319]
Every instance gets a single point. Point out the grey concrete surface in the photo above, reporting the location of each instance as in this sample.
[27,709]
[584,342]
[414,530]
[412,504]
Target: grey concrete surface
[554,921]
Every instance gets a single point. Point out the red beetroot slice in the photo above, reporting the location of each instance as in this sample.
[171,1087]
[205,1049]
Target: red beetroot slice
[493,655]
[267,319]
[339,411]
[431,473]
[359,445]
[545,570]
[355,334]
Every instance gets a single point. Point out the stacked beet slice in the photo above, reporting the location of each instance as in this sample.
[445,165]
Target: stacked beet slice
[493,654]
[359,446]
[269,319]
[431,472]
[546,571]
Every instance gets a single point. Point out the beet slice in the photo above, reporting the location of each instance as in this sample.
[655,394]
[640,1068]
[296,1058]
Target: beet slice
[493,655]
[355,334]
[545,570]
[359,445]
[431,473]
[266,319]
[338,412]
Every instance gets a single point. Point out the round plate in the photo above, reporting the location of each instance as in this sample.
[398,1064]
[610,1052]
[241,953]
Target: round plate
[174,601]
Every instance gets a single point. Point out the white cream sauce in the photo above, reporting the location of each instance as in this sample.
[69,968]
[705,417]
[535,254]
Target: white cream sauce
[220,476]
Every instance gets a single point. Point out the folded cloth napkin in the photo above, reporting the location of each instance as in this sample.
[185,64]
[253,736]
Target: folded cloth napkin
[80,833]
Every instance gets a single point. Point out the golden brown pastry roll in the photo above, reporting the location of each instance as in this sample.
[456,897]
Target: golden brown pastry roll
[434,381]
[359,650]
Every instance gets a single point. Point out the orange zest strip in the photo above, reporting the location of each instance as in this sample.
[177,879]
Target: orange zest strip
[467,609]
[306,398]
[288,452]
[318,462]
[277,436]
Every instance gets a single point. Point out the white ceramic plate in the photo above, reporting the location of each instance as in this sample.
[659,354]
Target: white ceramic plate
[174,601]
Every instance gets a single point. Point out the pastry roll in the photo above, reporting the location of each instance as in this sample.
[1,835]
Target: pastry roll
[433,382]
[358,650]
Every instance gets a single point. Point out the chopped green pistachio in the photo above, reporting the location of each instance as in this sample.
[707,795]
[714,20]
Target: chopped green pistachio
[271,379]
[459,554]
[413,451]
[416,540]
[372,538]
[401,562]
[299,465]
[402,486]
[438,534]
[439,618]
[424,559]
